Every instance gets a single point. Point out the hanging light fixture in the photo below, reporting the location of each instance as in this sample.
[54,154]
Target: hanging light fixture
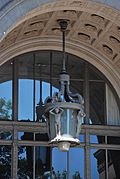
[65,110]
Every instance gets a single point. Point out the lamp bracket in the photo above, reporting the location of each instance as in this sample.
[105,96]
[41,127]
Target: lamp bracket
[63,23]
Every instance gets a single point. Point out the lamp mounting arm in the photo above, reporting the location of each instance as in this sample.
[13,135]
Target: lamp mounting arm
[63,26]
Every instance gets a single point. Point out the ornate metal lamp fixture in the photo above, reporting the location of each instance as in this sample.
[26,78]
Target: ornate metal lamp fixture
[65,110]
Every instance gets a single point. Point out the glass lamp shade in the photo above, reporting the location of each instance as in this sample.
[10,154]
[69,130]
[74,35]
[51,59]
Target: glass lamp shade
[64,122]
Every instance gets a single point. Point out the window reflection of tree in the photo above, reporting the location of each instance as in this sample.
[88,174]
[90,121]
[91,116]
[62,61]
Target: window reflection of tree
[42,155]
[5,162]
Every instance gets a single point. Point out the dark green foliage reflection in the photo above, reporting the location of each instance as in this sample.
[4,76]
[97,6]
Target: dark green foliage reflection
[5,109]
[5,162]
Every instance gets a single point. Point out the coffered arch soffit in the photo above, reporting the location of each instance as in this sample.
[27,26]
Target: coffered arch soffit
[93,34]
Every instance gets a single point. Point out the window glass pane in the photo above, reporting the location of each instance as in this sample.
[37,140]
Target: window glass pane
[30,136]
[5,162]
[45,90]
[96,139]
[94,74]
[59,163]
[25,135]
[42,86]
[25,162]
[76,156]
[113,109]
[77,87]
[97,103]
[42,92]
[6,100]
[41,137]
[57,58]
[5,135]
[42,162]
[114,164]
[82,138]
[97,164]
[25,105]
[42,65]
[56,86]
[113,140]
[75,67]
[6,91]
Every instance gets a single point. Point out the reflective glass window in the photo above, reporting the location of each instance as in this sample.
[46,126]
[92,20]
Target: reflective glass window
[59,163]
[5,135]
[25,136]
[33,161]
[42,162]
[6,91]
[113,140]
[113,164]
[82,138]
[97,103]
[25,162]
[97,139]
[97,164]
[5,162]
[76,159]
[25,110]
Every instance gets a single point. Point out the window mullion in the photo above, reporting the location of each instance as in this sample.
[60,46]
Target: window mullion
[14,155]
[86,94]
[15,91]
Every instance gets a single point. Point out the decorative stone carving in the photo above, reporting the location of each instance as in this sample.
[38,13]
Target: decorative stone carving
[118,64]
[76,3]
[90,27]
[114,40]
[107,50]
[118,29]
[31,33]
[97,18]
[39,24]
[70,13]
[83,36]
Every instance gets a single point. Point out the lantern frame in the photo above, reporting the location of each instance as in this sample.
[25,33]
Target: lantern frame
[64,111]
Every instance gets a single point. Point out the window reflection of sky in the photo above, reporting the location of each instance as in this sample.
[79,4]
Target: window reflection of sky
[6,90]
[93,139]
[93,165]
[76,161]
[25,99]
[59,160]
[81,138]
